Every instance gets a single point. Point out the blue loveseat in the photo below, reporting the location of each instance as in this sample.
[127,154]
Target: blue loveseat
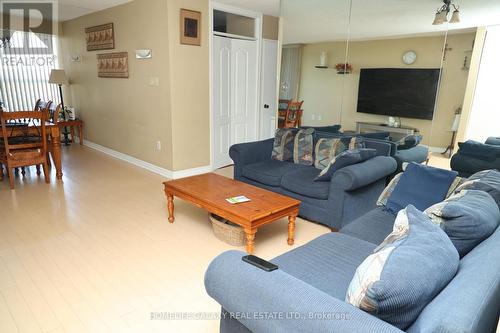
[473,156]
[352,191]
[307,292]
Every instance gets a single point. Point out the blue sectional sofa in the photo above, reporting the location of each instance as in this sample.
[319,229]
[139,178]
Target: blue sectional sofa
[352,191]
[307,292]
[473,156]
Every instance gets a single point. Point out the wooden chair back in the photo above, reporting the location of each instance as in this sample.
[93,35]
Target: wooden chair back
[23,120]
[293,114]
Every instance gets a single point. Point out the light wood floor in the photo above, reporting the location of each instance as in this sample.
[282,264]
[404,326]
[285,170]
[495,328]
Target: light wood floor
[95,252]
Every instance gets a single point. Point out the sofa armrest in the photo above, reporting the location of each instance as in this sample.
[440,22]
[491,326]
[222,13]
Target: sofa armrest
[278,302]
[359,175]
[247,153]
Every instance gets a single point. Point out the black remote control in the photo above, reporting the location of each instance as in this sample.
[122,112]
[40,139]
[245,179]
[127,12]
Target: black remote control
[260,263]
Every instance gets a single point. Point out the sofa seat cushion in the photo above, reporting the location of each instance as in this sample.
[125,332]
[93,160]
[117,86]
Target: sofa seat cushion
[302,182]
[327,263]
[372,227]
[269,172]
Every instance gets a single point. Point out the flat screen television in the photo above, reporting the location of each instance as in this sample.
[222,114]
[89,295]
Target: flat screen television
[398,92]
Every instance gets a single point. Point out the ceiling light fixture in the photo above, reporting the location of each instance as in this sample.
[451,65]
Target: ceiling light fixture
[442,13]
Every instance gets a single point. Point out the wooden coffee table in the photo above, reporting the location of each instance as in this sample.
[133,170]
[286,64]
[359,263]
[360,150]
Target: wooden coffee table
[210,191]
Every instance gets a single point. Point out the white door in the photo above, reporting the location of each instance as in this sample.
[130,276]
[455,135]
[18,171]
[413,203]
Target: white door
[269,94]
[221,101]
[244,90]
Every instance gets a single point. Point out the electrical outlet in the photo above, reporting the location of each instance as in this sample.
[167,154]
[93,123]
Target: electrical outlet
[158,145]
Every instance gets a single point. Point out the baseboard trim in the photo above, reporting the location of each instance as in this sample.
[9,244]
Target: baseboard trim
[437,149]
[146,165]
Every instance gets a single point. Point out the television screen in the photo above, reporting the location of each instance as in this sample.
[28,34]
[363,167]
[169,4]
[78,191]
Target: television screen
[398,92]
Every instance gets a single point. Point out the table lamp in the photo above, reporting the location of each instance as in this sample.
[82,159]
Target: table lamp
[58,76]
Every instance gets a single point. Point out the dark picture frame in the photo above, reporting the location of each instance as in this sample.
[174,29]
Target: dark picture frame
[190,27]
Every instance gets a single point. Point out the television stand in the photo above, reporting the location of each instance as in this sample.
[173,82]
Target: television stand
[395,132]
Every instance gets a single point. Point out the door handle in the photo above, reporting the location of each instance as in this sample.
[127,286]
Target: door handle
[266,106]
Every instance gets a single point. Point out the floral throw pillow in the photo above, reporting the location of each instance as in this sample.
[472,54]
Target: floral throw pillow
[303,147]
[283,145]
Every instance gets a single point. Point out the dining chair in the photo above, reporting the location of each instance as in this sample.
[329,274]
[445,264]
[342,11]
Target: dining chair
[27,149]
[283,105]
[293,114]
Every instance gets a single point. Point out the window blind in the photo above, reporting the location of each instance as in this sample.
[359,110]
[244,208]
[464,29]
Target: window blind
[24,73]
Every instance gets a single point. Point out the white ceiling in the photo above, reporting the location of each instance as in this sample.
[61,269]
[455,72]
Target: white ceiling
[69,9]
[267,7]
[308,21]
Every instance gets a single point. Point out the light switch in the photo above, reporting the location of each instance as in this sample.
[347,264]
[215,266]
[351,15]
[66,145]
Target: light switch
[154,81]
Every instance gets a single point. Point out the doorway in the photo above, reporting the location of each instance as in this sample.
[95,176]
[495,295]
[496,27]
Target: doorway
[235,79]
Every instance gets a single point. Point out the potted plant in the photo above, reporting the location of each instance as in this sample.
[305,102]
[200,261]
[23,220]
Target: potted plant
[343,68]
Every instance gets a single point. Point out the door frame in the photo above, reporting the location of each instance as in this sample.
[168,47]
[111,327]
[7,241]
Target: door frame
[258,37]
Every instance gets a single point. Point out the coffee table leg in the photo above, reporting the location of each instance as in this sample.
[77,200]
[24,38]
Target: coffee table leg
[170,205]
[250,233]
[291,229]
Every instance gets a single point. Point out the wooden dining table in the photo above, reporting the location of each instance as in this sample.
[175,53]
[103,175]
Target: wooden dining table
[54,143]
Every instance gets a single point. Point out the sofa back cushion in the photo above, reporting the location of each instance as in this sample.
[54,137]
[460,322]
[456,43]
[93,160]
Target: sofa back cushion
[421,186]
[303,147]
[486,180]
[479,150]
[406,271]
[345,158]
[283,144]
[468,218]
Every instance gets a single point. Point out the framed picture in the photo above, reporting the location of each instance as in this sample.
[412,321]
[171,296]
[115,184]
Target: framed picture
[100,37]
[190,27]
[112,65]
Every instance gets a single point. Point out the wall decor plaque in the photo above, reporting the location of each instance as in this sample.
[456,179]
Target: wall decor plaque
[100,37]
[190,28]
[112,65]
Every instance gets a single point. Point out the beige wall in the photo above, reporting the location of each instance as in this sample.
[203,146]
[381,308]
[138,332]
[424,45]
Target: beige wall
[189,81]
[326,93]
[129,115]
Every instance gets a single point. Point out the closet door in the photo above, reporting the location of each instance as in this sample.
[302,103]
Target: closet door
[244,90]
[221,101]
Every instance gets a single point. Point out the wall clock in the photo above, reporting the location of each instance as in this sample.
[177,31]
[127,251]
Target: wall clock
[409,57]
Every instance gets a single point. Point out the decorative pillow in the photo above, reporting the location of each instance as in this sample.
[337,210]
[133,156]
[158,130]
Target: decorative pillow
[468,218]
[303,147]
[421,186]
[486,180]
[386,193]
[409,141]
[411,266]
[282,150]
[346,158]
[326,150]
[357,142]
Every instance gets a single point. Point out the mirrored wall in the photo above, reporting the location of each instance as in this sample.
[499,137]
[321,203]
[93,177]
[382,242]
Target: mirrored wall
[315,40]
[365,65]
